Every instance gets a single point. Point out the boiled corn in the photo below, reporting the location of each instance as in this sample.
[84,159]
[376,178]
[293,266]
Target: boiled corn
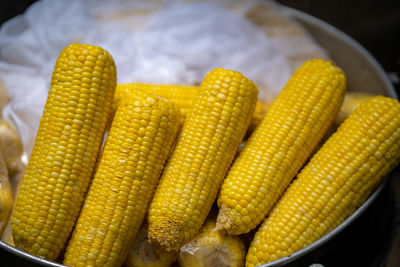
[138,144]
[334,183]
[67,144]
[292,127]
[204,151]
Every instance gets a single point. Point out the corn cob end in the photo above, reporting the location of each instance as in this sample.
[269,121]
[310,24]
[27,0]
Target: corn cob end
[226,221]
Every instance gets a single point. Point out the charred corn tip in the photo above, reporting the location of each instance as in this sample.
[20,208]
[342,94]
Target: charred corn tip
[204,151]
[277,149]
[67,144]
[335,182]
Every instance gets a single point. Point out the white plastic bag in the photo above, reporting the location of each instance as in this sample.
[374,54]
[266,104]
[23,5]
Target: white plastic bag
[173,42]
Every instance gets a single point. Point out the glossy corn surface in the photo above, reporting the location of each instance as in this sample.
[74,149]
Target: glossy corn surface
[277,149]
[212,248]
[181,95]
[138,144]
[67,144]
[204,151]
[334,183]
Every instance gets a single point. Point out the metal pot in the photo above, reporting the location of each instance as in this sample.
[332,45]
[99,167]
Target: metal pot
[364,74]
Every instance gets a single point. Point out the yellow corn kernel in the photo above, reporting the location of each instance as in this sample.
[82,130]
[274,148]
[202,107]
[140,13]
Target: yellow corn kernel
[204,151]
[142,254]
[138,144]
[274,153]
[350,103]
[212,248]
[67,144]
[337,180]
[181,95]
[6,197]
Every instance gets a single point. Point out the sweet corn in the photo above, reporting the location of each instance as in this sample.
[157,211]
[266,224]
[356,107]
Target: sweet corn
[204,151]
[67,144]
[334,183]
[181,95]
[138,144]
[212,248]
[142,254]
[292,127]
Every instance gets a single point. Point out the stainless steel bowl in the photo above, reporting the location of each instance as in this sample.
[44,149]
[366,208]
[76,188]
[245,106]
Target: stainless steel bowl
[364,74]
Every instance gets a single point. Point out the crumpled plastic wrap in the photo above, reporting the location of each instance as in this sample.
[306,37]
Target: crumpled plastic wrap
[167,42]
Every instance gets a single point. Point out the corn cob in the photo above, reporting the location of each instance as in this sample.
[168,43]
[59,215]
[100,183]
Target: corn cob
[181,95]
[67,144]
[6,198]
[292,127]
[142,254]
[139,141]
[350,103]
[212,248]
[334,183]
[204,151]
